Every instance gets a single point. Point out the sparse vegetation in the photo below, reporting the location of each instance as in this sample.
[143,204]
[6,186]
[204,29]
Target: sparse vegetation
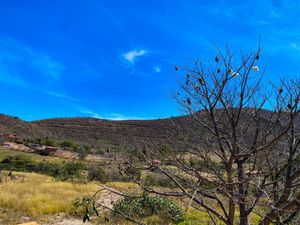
[62,171]
[147,206]
[44,141]
[96,172]
[5,153]
[229,161]
[37,195]
[241,157]
[82,151]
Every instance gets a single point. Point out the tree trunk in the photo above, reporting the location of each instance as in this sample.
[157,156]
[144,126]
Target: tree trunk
[242,197]
[231,203]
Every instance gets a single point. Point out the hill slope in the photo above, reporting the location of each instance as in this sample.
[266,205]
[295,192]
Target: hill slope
[99,132]
[93,131]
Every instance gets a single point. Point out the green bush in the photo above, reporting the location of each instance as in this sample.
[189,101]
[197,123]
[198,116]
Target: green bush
[95,172]
[85,206]
[157,179]
[82,151]
[49,142]
[107,174]
[67,144]
[147,206]
[18,163]
[62,171]
[113,174]
[134,152]
[43,141]
[70,170]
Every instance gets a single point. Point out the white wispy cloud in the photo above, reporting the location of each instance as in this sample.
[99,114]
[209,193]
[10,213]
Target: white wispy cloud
[61,95]
[117,116]
[91,113]
[295,46]
[109,116]
[10,76]
[132,55]
[21,62]
[157,69]
[47,66]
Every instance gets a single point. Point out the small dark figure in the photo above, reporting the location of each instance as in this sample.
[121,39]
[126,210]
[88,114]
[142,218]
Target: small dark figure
[189,101]
[280,90]
[201,81]
[12,177]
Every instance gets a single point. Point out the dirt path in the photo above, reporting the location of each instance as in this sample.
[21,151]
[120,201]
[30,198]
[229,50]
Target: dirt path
[60,222]
[70,222]
[107,197]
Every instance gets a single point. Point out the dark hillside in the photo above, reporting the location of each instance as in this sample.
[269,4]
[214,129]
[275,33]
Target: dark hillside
[99,132]
[91,131]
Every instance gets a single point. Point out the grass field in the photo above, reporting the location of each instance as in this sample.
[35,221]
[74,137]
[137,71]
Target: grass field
[41,197]
[36,195]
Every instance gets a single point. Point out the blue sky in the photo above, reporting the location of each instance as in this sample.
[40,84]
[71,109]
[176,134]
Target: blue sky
[115,59]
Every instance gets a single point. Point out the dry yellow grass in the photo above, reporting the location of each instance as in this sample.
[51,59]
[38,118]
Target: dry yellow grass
[37,195]
[4,153]
[124,186]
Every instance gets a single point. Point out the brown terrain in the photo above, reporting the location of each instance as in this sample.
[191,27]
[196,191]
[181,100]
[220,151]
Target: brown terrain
[100,132]
[96,132]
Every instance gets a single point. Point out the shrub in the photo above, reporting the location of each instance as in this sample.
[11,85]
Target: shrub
[147,206]
[18,163]
[67,144]
[113,174]
[60,171]
[133,172]
[49,142]
[156,179]
[82,151]
[134,152]
[70,170]
[95,172]
[43,141]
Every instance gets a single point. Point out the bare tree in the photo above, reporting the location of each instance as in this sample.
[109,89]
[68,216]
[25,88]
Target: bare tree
[240,158]
[283,165]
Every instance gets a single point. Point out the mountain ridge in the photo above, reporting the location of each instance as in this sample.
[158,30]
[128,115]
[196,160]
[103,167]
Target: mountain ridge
[93,131]
[102,132]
